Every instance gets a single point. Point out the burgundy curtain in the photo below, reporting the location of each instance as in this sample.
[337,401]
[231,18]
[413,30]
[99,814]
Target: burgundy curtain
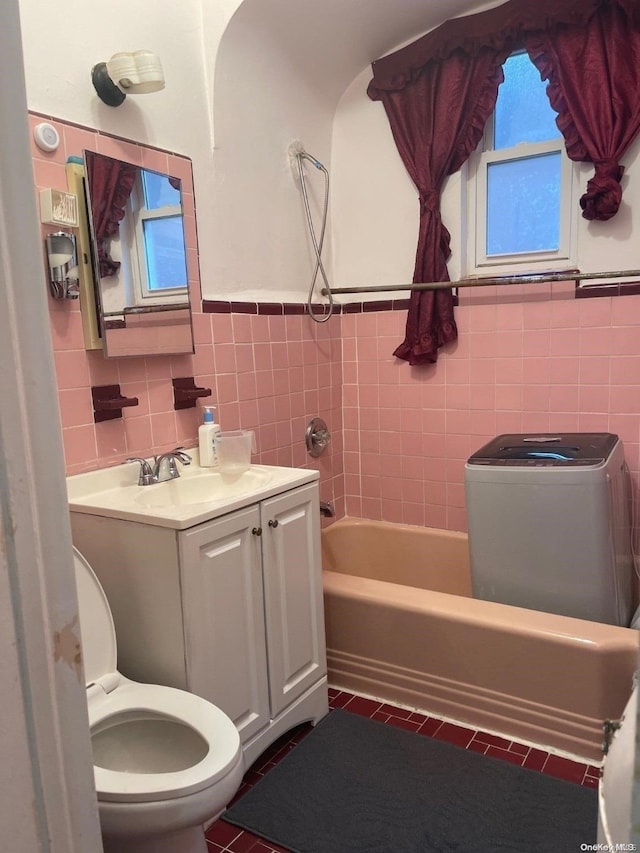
[438,93]
[594,86]
[110,184]
[436,122]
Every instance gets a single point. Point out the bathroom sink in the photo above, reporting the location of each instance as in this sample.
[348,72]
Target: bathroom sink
[201,488]
[198,494]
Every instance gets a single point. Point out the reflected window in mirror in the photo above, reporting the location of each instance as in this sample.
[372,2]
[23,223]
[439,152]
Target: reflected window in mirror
[156,238]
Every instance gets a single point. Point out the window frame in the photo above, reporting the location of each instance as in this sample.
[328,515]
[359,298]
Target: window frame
[477,262]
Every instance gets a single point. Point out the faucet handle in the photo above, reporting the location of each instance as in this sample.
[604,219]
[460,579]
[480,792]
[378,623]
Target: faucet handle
[146,477]
[182,455]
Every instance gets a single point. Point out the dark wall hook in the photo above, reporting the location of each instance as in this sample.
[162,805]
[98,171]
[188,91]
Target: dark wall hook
[108,402]
[185,392]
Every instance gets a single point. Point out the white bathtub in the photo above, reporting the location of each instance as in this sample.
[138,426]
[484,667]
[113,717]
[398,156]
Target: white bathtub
[402,626]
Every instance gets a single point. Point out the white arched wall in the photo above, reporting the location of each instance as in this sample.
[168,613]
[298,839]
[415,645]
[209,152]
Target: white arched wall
[260,247]
[280,73]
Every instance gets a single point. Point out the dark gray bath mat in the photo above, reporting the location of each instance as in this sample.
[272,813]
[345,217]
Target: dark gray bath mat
[354,785]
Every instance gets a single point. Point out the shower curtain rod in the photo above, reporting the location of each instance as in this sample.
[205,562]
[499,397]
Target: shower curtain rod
[526,278]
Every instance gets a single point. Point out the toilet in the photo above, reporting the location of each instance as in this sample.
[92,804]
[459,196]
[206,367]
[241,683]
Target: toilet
[165,761]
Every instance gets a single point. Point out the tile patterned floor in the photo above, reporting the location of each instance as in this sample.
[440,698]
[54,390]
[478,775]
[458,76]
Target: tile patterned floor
[222,836]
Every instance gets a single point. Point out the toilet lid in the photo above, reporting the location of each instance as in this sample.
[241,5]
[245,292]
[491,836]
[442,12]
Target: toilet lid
[97,630]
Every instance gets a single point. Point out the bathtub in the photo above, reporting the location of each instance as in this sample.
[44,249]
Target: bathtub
[402,626]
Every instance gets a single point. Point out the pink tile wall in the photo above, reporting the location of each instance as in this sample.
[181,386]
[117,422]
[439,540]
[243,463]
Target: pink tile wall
[523,362]
[268,373]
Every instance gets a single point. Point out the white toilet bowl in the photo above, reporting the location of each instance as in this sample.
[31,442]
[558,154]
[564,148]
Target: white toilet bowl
[165,761]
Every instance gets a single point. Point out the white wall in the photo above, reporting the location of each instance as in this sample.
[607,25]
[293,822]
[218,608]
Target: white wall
[375,207]
[61,44]
[262,247]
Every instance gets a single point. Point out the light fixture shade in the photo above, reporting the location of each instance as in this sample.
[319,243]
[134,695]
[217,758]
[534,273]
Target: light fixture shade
[136,73]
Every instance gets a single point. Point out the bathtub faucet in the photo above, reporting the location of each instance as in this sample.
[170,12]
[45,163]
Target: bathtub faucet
[327,510]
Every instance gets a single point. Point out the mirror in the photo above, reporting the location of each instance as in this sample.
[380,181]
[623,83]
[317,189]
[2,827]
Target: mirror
[139,254]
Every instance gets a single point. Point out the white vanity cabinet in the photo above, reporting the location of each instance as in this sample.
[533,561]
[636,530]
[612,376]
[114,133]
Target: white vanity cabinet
[230,608]
[253,613]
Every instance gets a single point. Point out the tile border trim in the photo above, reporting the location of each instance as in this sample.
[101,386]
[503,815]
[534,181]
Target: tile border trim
[219,306]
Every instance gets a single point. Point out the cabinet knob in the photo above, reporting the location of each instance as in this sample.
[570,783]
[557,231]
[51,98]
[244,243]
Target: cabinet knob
[273,522]
[257,531]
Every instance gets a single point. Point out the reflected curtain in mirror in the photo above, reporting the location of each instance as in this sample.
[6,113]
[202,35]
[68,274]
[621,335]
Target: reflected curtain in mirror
[111,182]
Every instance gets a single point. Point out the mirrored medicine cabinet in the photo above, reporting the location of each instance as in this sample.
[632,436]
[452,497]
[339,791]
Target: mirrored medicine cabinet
[136,255]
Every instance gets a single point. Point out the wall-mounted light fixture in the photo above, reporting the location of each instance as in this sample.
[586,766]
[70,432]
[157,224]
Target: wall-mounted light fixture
[63,266]
[136,73]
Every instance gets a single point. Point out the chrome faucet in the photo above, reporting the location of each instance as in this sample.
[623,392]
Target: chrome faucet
[164,467]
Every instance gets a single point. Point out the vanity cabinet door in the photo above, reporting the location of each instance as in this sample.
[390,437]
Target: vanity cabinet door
[223,613]
[293,594]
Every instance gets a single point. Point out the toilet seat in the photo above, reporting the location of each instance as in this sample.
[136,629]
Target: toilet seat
[171,704]
[113,698]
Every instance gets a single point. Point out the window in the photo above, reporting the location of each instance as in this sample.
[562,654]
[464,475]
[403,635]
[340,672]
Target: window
[521,182]
[157,254]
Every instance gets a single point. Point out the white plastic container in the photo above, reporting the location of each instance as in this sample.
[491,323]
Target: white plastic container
[207,433]
[234,451]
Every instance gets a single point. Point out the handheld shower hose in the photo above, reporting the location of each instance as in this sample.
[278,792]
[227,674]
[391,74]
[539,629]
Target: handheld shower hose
[301,155]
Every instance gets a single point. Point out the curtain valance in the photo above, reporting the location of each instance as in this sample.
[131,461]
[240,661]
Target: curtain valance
[501,28]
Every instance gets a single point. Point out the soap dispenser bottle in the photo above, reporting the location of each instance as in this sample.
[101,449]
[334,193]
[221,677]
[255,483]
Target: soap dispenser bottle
[206,439]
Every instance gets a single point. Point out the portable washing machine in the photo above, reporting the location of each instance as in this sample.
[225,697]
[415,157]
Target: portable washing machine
[549,524]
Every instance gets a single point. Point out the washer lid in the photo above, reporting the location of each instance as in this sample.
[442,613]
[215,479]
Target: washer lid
[99,652]
[565,449]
